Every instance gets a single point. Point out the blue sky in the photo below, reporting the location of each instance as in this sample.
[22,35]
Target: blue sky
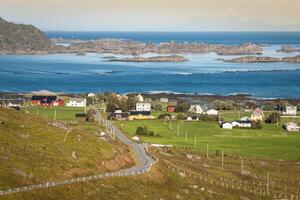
[155,15]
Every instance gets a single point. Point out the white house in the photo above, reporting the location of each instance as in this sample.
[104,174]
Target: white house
[196,109]
[290,110]
[192,118]
[227,125]
[212,112]
[245,119]
[140,98]
[76,102]
[164,100]
[91,95]
[292,127]
[143,106]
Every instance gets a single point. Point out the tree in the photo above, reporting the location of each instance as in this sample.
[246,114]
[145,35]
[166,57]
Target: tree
[91,115]
[224,105]
[182,107]
[181,116]
[273,118]
[269,105]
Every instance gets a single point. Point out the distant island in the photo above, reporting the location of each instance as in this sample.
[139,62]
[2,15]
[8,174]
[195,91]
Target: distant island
[254,59]
[173,58]
[27,39]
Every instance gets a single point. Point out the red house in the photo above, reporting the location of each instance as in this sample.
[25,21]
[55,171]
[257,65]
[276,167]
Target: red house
[171,109]
[58,102]
[43,100]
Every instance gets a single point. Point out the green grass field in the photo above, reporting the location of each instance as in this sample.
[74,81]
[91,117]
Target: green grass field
[62,112]
[269,142]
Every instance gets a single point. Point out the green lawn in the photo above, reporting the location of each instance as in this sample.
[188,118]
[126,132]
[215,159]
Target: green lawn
[62,112]
[269,142]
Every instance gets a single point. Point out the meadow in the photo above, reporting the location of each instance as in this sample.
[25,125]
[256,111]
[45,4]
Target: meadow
[271,141]
[57,113]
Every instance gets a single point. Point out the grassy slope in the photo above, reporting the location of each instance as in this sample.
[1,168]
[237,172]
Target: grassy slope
[162,183]
[33,151]
[270,142]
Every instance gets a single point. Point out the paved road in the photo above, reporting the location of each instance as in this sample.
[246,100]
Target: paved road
[144,164]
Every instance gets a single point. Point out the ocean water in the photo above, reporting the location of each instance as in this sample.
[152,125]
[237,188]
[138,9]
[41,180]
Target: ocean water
[202,74]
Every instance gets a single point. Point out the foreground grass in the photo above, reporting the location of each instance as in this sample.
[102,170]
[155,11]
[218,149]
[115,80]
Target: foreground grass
[269,142]
[164,183]
[34,150]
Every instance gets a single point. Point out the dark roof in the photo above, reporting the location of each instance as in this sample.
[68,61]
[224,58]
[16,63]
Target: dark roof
[123,114]
[44,99]
[193,117]
[135,112]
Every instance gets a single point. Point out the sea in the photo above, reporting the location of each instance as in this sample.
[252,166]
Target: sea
[203,74]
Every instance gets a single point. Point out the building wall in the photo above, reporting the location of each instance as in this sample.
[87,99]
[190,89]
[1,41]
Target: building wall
[143,106]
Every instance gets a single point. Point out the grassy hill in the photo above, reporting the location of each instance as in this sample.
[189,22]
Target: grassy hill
[34,149]
[20,36]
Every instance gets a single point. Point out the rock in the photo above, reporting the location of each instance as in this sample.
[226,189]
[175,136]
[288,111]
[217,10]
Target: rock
[287,49]
[74,155]
[254,59]
[205,165]
[262,163]
[193,186]
[244,198]
[173,58]
[189,156]
[246,173]
[202,189]
[178,196]
[182,174]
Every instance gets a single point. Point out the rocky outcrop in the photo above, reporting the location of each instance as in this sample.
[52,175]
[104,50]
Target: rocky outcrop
[20,37]
[288,49]
[130,47]
[174,58]
[254,59]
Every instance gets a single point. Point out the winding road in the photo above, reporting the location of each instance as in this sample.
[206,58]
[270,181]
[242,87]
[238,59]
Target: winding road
[144,163]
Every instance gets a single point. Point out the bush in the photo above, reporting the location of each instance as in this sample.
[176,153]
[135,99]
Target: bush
[142,130]
[256,125]
[164,116]
[181,116]
[205,117]
[151,133]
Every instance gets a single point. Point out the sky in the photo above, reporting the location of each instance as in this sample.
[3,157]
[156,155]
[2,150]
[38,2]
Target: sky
[155,15]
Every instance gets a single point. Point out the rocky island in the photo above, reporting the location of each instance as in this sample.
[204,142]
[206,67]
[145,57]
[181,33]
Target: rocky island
[173,58]
[27,39]
[254,59]
[288,49]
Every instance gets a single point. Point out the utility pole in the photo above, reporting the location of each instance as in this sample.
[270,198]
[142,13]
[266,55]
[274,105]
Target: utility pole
[206,150]
[54,114]
[222,158]
[195,143]
[186,139]
[242,166]
[268,183]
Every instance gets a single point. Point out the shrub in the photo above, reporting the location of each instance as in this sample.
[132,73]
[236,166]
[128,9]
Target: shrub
[142,130]
[164,116]
[256,125]
[181,116]
[151,133]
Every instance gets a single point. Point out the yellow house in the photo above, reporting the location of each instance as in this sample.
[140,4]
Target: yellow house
[138,115]
[257,115]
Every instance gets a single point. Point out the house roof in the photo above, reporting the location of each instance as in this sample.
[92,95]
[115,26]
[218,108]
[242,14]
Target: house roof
[135,112]
[40,98]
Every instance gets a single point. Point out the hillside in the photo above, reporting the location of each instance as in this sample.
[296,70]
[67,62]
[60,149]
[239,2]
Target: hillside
[21,37]
[36,150]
